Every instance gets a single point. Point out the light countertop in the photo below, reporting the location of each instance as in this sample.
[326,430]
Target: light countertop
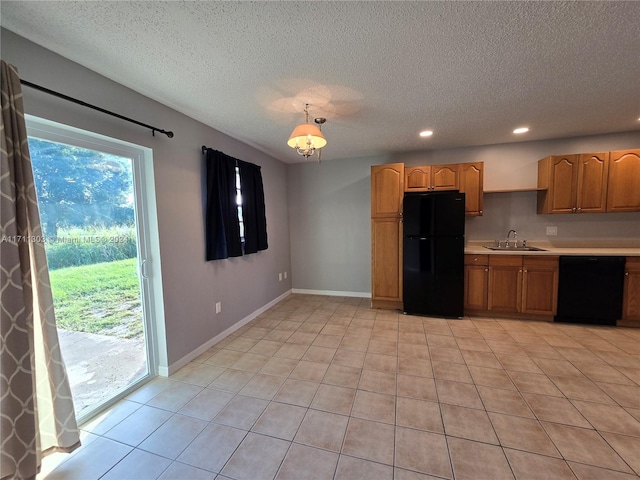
[476,248]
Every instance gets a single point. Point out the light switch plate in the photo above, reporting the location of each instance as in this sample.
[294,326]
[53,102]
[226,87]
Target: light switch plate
[552,230]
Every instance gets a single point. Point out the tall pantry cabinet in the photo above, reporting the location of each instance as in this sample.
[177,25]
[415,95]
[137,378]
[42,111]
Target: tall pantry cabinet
[387,193]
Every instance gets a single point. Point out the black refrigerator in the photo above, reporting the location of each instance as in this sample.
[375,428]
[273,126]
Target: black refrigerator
[433,278]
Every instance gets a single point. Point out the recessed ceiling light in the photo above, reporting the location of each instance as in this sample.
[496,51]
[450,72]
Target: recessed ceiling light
[521,130]
[426,133]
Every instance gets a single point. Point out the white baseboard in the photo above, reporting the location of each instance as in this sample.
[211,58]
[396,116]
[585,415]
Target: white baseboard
[331,293]
[174,367]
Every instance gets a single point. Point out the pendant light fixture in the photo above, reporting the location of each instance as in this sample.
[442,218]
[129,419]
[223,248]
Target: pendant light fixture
[306,138]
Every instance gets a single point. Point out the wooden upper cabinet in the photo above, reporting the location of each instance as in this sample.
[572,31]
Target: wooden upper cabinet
[387,190]
[444,177]
[471,184]
[593,172]
[417,179]
[590,182]
[559,176]
[431,177]
[623,194]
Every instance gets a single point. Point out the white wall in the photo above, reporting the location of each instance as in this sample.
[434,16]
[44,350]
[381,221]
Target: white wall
[191,285]
[329,207]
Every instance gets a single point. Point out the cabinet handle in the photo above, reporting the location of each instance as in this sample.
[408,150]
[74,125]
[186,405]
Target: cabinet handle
[475,259]
[486,270]
[573,209]
[579,209]
[626,274]
[520,271]
[481,212]
[525,270]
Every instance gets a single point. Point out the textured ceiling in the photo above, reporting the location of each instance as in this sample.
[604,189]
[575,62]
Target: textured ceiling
[380,72]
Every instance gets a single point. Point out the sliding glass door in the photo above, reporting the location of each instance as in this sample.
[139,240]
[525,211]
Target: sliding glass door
[91,210]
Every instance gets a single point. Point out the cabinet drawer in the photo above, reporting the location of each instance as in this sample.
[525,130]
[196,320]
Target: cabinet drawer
[541,261]
[477,259]
[505,260]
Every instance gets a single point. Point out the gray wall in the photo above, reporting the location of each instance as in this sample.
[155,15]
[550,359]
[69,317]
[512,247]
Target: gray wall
[191,285]
[329,207]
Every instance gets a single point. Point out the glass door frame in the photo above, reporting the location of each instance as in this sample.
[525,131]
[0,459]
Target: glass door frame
[148,265]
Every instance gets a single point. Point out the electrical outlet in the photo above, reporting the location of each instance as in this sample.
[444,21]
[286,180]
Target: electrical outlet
[218,307]
[280,277]
[552,230]
[285,275]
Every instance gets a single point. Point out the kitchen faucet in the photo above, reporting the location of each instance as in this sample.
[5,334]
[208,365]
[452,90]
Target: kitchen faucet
[515,237]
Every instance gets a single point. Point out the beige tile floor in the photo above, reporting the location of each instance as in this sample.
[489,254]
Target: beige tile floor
[327,388]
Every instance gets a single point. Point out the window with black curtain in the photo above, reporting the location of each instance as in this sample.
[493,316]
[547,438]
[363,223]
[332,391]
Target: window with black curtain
[222,222]
[253,210]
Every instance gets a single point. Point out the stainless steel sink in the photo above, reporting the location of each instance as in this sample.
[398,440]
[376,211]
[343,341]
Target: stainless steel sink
[515,249]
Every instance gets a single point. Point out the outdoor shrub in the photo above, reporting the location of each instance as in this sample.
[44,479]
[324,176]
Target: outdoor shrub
[76,247]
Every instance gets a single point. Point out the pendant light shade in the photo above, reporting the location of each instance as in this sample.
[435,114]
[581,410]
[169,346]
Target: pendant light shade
[304,132]
[306,138]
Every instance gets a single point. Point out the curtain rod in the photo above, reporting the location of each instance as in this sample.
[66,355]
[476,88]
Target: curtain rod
[85,104]
[204,149]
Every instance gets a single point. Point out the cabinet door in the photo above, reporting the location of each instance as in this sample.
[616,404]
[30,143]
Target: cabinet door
[387,190]
[623,193]
[417,179]
[386,259]
[505,288]
[444,177]
[593,172]
[472,184]
[563,184]
[631,299]
[476,282]
[540,290]
[505,283]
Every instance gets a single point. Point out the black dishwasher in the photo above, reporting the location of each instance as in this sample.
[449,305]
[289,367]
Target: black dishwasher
[590,289]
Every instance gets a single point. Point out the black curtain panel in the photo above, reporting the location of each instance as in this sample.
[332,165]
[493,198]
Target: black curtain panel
[253,209]
[223,227]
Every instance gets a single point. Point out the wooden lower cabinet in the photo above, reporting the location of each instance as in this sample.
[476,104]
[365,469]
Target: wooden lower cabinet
[540,285]
[511,284]
[386,262]
[476,281]
[505,283]
[631,297]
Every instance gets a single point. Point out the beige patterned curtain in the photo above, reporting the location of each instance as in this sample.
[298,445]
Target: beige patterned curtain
[36,409]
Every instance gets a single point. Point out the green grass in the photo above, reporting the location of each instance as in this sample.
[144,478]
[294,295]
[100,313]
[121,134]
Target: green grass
[101,298]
